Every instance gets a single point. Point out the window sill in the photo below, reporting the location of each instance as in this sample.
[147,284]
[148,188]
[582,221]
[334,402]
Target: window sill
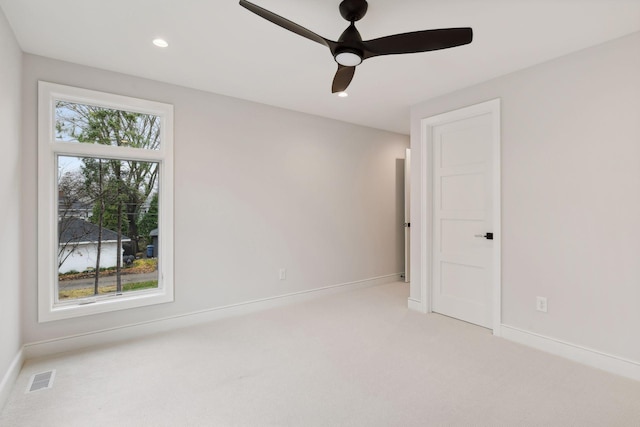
[103,304]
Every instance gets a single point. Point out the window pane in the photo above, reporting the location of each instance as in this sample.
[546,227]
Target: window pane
[107,226]
[90,124]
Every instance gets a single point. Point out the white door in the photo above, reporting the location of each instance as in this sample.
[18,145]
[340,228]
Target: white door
[407,213]
[464,179]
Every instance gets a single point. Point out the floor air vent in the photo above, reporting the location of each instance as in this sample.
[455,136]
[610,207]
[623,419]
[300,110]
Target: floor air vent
[41,381]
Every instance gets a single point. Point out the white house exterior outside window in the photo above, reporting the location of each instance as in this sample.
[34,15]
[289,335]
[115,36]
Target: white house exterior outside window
[105,183]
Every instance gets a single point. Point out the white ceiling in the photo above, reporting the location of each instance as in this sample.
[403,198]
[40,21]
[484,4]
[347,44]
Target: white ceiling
[218,46]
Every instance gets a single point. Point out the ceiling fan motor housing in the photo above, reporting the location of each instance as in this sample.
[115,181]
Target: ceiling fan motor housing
[353,10]
[348,51]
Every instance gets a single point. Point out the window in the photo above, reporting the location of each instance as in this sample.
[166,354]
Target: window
[105,202]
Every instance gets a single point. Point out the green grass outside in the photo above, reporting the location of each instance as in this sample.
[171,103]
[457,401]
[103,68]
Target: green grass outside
[88,292]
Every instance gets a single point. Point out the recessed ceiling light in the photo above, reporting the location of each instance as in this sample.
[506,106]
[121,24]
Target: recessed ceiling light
[160,43]
[343,94]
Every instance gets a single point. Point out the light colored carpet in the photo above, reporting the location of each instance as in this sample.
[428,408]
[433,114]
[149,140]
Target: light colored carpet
[357,358]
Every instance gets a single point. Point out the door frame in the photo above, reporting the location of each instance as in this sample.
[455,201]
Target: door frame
[426,199]
[407,215]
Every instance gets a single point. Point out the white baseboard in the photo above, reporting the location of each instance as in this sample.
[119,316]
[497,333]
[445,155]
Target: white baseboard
[596,359]
[137,330]
[415,305]
[10,377]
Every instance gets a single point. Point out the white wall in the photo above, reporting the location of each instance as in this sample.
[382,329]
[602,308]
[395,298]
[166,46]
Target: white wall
[10,190]
[570,195]
[257,188]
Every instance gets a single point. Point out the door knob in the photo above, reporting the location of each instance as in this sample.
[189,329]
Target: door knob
[488,236]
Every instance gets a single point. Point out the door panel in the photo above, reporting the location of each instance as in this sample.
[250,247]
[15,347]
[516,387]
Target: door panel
[459,281]
[456,150]
[462,192]
[457,235]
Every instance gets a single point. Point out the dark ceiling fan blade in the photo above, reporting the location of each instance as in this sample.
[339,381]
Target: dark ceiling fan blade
[418,41]
[286,24]
[342,79]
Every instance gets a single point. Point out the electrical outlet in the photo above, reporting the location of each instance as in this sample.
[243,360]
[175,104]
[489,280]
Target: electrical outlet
[541,304]
[283,274]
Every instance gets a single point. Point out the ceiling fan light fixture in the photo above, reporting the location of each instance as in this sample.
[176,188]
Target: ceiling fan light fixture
[348,59]
[160,42]
[343,94]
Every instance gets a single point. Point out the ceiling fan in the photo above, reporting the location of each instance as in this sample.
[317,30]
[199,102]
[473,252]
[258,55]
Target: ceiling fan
[350,50]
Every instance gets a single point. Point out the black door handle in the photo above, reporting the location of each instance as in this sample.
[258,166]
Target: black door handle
[488,236]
